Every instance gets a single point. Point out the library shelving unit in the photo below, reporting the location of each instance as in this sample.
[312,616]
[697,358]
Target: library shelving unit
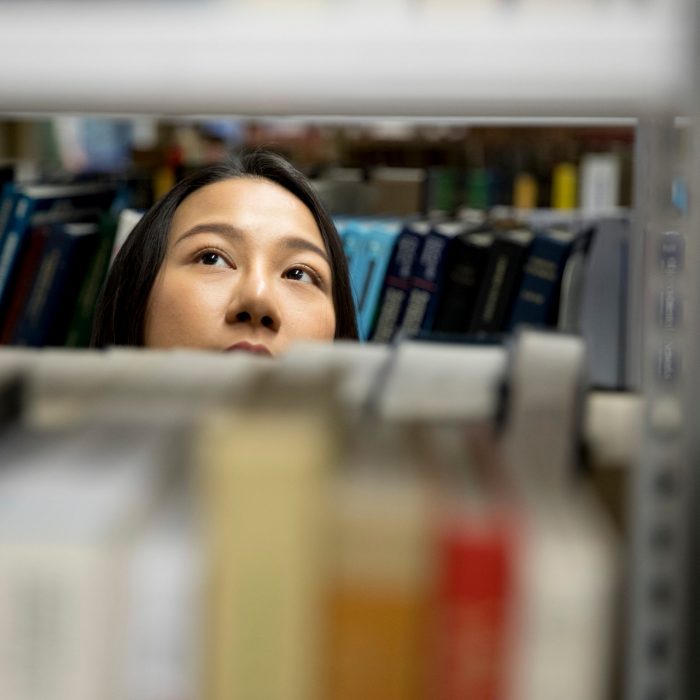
[522,61]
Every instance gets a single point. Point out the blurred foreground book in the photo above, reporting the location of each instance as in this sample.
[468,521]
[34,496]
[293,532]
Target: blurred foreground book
[188,525]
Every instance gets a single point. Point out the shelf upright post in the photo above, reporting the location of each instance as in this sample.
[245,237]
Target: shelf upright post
[692,672]
[665,280]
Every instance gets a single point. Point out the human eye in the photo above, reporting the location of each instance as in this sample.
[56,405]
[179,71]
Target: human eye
[302,274]
[211,258]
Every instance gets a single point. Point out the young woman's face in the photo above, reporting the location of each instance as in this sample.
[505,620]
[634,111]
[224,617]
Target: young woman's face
[245,269]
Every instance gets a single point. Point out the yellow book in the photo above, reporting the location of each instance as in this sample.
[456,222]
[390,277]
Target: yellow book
[263,482]
[564,186]
[525,191]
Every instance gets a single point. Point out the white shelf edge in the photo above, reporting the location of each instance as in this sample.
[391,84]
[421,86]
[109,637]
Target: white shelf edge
[214,61]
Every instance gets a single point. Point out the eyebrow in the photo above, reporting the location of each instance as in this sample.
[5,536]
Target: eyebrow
[288,242]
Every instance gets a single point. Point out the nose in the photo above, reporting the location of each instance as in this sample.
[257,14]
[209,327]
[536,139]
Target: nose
[253,301]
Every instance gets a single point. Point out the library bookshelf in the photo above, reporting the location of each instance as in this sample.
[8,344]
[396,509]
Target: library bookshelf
[613,61]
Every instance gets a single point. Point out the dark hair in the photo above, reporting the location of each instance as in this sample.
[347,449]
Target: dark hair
[121,307]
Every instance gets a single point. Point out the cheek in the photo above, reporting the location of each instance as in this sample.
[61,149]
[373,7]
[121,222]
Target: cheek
[180,312]
[314,321]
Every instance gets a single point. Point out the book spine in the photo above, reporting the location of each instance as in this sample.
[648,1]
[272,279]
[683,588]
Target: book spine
[525,191]
[460,290]
[31,329]
[564,186]
[476,596]
[378,597]
[12,244]
[7,205]
[380,246]
[26,274]
[423,295]
[357,242]
[80,329]
[539,291]
[52,299]
[500,284]
[59,619]
[396,286]
[264,500]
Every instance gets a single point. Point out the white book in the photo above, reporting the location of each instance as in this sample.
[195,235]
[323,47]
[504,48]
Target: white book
[163,617]
[438,381]
[67,505]
[599,183]
[128,218]
[566,610]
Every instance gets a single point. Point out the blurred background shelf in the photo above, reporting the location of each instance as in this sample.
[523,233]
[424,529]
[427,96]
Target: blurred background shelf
[216,58]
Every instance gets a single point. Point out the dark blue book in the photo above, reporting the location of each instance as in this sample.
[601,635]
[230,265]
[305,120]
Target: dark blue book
[397,281]
[501,281]
[37,205]
[461,280]
[66,257]
[426,276]
[537,300]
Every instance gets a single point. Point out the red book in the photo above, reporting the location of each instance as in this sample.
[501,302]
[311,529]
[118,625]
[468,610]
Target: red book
[28,266]
[475,598]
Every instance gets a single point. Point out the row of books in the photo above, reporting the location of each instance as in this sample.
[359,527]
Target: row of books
[593,184]
[154,542]
[410,276]
[489,276]
[56,243]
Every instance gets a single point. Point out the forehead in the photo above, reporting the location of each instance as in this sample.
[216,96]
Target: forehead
[251,204]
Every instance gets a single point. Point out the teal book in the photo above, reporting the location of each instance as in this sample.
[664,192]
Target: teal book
[378,238]
[349,229]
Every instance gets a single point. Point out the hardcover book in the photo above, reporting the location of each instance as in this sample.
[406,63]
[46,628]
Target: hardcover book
[537,301]
[462,279]
[80,329]
[26,273]
[426,276]
[47,312]
[35,205]
[397,282]
[501,281]
[377,241]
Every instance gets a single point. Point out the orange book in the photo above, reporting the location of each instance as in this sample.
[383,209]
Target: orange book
[378,598]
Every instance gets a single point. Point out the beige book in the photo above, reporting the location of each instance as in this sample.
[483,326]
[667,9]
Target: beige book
[263,485]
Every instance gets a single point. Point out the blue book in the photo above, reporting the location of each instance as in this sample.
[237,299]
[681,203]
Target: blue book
[397,281]
[426,277]
[350,233]
[65,260]
[537,300]
[377,244]
[36,205]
